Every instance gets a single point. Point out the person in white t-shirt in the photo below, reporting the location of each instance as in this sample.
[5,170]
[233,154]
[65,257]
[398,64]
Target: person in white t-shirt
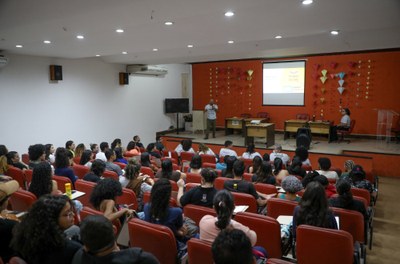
[227,150]
[277,153]
[250,152]
[211,109]
[345,122]
[324,168]
[103,147]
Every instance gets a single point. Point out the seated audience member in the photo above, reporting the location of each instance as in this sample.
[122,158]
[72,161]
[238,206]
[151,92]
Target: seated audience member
[13,159]
[101,155]
[313,209]
[195,164]
[118,156]
[243,186]
[3,159]
[264,175]
[99,245]
[63,164]
[159,145]
[117,143]
[222,163]
[256,166]
[140,184]
[7,222]
[277,153]
[187,146]
[96,171]
[315,176]
[50,150]
[227,150]
[345,199]
[279,172]
[86,158]
[40,237]
[110,156]
[151,149]
[324,166]
[132,148]
[70,146]
[136,139]
[265,157]
[296,169]
[42,182]
[179,148]
[37,154]
[348,166]
[201,195]
[167,171]
[79,150]
[357,176]
[145,162]
[302,153]
[205,150]
[228,172]
[232,246]
[250,152]
[291,185]
[94,148]
[103,199]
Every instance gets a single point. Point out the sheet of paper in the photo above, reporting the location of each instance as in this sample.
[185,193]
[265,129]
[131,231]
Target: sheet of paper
[284,219]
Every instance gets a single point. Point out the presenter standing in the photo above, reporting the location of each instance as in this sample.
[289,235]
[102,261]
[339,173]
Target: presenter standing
[211,109]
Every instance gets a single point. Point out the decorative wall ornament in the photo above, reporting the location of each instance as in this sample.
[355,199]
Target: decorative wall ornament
[249,73]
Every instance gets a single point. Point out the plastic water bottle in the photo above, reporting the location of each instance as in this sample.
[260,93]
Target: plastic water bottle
[68,191]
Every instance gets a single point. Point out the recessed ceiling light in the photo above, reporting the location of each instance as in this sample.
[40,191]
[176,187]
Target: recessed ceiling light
[335,32]
[46,41]
[278,37]
[190,46]
[80,37]
[307,2]
[18,46]
[231,42]
[229,14]
[168,23]
[119,30]
[155,49]
[124,52]
[97,55]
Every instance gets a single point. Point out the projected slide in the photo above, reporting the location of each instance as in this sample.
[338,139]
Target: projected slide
[283,83]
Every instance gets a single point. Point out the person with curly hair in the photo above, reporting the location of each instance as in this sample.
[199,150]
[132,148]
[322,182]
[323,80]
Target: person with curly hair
[264,175]
[103,199]
[87,156]
[63,163]
[348,166]
[96,171]
[291,185]
[324,168]
[313,209]
[37,154]
[168,172]
[42,182]
[40,237]
[140,184]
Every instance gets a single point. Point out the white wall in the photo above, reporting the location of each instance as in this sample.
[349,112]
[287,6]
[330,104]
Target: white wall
[87,106]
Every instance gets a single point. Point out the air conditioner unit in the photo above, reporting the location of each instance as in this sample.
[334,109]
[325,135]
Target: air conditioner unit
[3,61]
[146,70]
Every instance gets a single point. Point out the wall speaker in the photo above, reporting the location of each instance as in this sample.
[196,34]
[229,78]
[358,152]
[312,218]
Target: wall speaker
[56,73]
[123,78]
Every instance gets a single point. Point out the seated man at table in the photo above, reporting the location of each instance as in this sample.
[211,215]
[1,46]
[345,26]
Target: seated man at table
[227,150]
[277,153]
[238,184]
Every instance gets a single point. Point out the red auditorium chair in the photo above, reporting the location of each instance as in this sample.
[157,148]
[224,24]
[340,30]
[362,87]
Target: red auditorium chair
[206,158]
[245,199]
[343,133]
[173,153]
[25,158]
[265,188]
[156,239]
[174,161]
[362,193]
[209,165]
[147,171]
[61,181]
[110,174]
[120,164]
[219,182]
[128,198]
[196,212]
[191,185]
[317,245]
[199,251]
[28,177]
[186,156]
[86,211]
[268,231]
[18,175]
[247,176]
[22,200]
[193,177]
[80,170]
[277,207]
[87,188]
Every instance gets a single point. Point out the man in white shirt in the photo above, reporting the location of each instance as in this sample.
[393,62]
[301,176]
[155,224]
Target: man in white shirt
[211,109]
[277,153]
[103,147]
[227,150]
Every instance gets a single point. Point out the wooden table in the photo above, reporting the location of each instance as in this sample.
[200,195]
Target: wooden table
[291,126]
[320,127]
[233,123]
[265,130]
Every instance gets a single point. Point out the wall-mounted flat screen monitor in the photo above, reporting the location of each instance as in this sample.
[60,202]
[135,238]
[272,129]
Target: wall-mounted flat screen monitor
[176,105]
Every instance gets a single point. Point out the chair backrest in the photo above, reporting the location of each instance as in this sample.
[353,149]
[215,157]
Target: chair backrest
[156,239]
[358,198]
[120,164]
[247,176]
[18,175]
[321,245]
[219,182]
[110,174]
[245,199]
[277,207]
[186,156]
[352,222]
[147,170]
[76,160]
[174,161]
[191,185]
[248,162]
[86,187]
[28,177]
[22,200]
[173,154]
[25,158]
[193,177]
[208,158]
[61,181]
[128,198]
[303,116]
[265,188]
[209,165]
[337,170]
[268,231]
[362,193]
[86,211]
[196,212]
[80,170]
[199,251]
[350,130]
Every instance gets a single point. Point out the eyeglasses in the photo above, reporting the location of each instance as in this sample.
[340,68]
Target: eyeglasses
[69,214]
